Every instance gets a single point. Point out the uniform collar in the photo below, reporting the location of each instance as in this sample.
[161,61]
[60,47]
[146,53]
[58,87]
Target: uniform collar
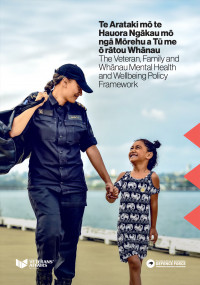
[53,101]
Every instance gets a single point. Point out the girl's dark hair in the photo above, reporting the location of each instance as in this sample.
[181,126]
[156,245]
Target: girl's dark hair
[151,147]
[50,85]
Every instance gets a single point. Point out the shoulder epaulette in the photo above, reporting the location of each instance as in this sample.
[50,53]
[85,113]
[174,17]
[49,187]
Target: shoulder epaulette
[81,105]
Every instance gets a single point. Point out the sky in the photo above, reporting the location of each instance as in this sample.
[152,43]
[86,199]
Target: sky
[36,37]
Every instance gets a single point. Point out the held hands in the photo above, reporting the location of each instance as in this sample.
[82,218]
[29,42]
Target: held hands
[40,96]
[153,235]
[112,192]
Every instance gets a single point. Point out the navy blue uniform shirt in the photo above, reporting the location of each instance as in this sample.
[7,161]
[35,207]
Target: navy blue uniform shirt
[57,134]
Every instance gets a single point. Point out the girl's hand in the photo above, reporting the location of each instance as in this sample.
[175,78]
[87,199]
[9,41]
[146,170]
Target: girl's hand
[110,199]
[115,192]
[40,96]
[153,234]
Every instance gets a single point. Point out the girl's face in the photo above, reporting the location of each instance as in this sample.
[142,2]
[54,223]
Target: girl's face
[72,90]
[139,152]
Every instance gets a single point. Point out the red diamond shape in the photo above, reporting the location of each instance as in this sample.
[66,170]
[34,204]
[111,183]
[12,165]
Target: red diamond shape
[194,176]
[194,135]
[194,217]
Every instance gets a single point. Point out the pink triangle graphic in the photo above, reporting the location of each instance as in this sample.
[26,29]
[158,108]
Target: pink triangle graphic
[194,217]
[194,135]
[194,176]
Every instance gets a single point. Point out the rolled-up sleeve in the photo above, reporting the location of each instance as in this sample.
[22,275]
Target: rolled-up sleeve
[87,138]
[20,109]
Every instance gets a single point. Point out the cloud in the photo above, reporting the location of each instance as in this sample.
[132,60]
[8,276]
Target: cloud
[36,38]
[154,114]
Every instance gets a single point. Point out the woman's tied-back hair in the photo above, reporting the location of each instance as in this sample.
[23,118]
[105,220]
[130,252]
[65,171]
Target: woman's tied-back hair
[50,85]
[151,147]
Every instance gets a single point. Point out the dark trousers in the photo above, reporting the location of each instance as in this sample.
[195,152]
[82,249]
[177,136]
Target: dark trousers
[59,220]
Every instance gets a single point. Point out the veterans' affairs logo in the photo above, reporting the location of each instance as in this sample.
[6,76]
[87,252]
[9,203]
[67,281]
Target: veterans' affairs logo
[21,264]
[150,263]
[33,263]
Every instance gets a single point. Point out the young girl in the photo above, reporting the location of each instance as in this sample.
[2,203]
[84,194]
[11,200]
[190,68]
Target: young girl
[139,193]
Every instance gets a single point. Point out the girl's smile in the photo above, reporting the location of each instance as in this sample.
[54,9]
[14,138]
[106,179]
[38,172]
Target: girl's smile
[138,150]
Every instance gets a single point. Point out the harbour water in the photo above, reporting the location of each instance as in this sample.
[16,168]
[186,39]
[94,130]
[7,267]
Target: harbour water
[173,206]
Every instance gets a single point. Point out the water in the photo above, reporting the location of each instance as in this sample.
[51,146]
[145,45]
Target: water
[173,206]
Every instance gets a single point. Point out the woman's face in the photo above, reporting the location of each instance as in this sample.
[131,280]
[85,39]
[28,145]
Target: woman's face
[72,90]
[138,152]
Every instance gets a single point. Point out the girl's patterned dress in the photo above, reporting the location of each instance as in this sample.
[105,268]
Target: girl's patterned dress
[133,222]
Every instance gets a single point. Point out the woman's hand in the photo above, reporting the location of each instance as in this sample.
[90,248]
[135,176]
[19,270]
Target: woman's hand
[109,188]
[40,96]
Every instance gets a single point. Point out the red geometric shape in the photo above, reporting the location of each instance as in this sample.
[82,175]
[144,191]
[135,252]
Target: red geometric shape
[194,217]
[194,135]
[194,176]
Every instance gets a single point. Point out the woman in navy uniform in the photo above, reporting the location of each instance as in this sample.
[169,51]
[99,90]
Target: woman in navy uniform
[58,129]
